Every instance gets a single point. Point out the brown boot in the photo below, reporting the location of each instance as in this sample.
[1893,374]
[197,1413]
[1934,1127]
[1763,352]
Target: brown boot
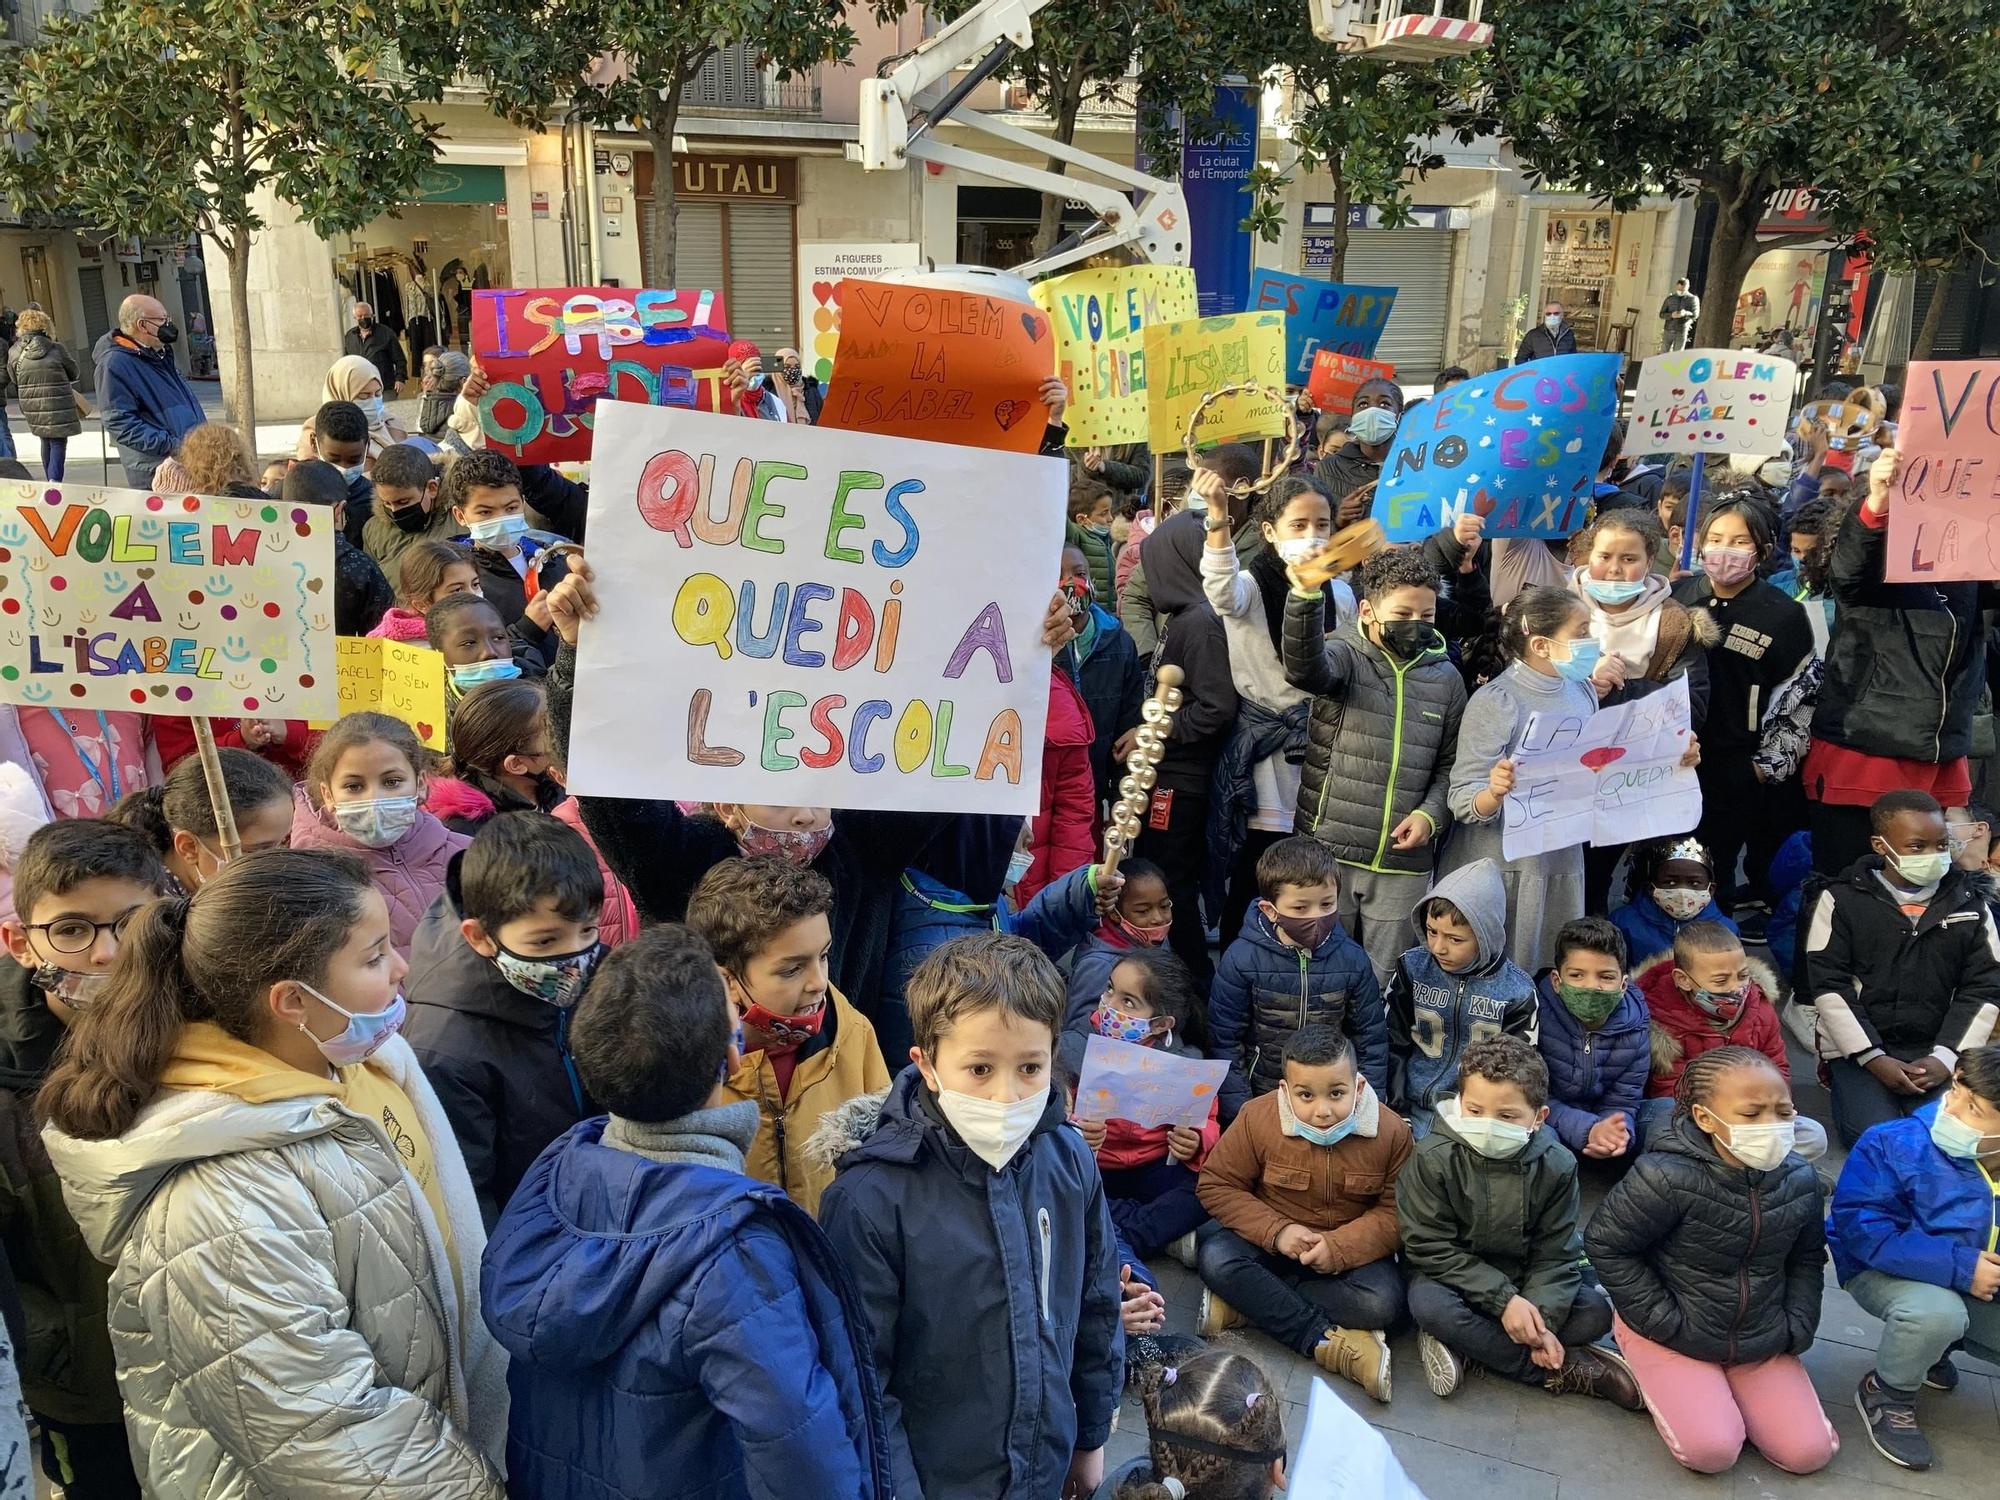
[1216,1315]
[1357,1354]
[1594,1370]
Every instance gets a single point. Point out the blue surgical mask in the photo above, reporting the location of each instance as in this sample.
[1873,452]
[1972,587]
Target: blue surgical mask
[372,410]
[500,669]
[364,1033]
[1373,424]
[1018,865]
[498,531]
[756,382]
[1319,1135]
[350,475]
[1613,591]
[1584,655]
[377,822]
[1955,1138]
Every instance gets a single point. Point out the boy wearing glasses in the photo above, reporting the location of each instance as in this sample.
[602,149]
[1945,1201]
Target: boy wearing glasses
[76,886]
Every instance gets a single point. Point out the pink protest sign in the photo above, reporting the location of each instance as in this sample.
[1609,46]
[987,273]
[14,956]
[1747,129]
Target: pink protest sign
[1944,518]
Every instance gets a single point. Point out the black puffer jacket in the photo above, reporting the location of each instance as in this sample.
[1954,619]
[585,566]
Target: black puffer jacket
[1906,662]
[1192,640]
[44,375]
[1719,1263]
[1383,741]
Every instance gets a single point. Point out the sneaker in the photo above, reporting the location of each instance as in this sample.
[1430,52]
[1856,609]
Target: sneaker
[1444,1367]
[1216,1315]
[1892,1424]
[1942,1376]
[1182,1250]
[1596,1370]
[1358,1354]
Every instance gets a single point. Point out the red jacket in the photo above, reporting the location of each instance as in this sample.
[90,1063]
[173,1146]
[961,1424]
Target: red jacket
[175,737]
[1062,837]
[1682,1030]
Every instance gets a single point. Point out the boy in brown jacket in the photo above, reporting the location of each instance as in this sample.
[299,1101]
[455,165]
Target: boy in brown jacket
[1303,1190]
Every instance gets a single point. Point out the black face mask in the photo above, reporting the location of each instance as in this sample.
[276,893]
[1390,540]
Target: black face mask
[168,333]
[364,324]
[1407,639]
[410,519]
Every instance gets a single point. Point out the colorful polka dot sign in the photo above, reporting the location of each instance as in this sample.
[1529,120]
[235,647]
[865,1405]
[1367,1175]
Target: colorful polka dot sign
[165,604]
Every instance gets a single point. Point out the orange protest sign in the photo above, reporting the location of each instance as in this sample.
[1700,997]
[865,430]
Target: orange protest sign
[1336,377]
[948,366]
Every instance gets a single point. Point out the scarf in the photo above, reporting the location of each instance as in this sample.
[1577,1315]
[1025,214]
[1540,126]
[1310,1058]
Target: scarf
[719,1137]
[1267,570]
[1632,634]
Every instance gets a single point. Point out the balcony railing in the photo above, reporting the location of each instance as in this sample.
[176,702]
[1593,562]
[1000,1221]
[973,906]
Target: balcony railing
[734,78]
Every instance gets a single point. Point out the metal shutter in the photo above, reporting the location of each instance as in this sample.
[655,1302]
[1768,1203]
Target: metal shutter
[698,263]
[763,286]
[96,318]
[1417,263]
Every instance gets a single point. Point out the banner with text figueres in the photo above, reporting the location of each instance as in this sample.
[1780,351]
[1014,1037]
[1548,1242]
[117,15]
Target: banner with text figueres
[1520,446]
[117,599]
[1712,401]
[1100,319]
[1322,315]
[801,616]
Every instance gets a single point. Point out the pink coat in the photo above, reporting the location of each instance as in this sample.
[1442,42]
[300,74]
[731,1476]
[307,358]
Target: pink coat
[409,873]
[400,624]
[1062,838]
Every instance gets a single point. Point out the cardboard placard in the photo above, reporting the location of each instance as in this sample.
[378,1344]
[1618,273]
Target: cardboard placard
[1336,377]
[117,599]
[1944,519]
[1612,777]
[941,365]
[821,268]
[397,678]
[1520,446]
[1187,360]
[1322,315]
[554,352]
[1100,318]
[802,616]
[1712,401]
[1147,1085]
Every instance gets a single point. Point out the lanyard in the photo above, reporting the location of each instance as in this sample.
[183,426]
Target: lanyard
[113,788]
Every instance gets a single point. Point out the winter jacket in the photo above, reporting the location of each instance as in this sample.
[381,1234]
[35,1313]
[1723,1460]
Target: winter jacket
[1539,343]
[1096,547]
[409,873]
[1090,975]
[1493,1229]
[1906,662]
[1904,1208]
[992,1296]
[928,915]
[1343,469]
[1649,931]
[499,1059]
[1265,990]
[1883,983]
[1680,648]
[1258,1179]
[1681,1031]
[386,542]
[1063,837]
[1764,638]
[1192,640]
[361,593]
[1126,1142]
[679,1328]
[1593,1074]
[147,403]
[1108,673]
[508,591]
[1791,866]
[843,1062]
[1383,742]
[289,1316]
[67,1370]
[1434,1013]
[1719,1263]
[43,374]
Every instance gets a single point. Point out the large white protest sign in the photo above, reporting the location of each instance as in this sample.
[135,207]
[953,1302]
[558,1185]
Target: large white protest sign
[806,617]
[1341,1457]
[1146,1085]
[1712,401]
[1604,778]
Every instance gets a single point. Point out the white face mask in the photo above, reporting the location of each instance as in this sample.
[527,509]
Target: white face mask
[1294,550]
[1760,1147]
[993,1132]
[1497,1139]
[1680,904]
[1552,322]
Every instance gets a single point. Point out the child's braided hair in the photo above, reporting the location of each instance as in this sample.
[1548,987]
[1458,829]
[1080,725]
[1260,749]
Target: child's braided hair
[1699,1077]
[1199,1417]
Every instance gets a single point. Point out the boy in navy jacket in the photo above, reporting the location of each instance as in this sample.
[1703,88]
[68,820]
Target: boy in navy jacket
[1596,1040]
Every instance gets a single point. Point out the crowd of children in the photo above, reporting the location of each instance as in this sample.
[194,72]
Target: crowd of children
[461,1137]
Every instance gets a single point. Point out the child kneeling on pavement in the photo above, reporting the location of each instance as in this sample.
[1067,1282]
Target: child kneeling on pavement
[1303,1191]
[1489,1215]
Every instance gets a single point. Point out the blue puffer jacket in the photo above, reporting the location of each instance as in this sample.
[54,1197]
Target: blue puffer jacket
[1265,990]
[1790,867]
[677,1328]
[148,405]
[993,1295]
[1433,1013]
[1904,1208]
[927,914]
[1592,1073]
[1090,974]
[1649,932]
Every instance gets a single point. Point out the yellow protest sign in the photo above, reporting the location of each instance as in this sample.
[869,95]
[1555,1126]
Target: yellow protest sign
[391,677]
[1187,360]
[1100,318]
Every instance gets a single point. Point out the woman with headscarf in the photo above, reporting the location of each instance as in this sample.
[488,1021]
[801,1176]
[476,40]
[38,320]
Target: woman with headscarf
[353,378]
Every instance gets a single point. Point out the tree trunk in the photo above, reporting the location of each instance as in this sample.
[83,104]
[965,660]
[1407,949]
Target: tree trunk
[1927,331]
[1732,250]
[664,212]
[1068,105]
[1335,166]
[236,251]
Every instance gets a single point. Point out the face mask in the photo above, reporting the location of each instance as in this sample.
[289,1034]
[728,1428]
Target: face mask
[993,1132]
[1318,1135]
[756,382]
[1724,1005]
[1613,591]
[1584,655]
[1406,640]
[1108,1020]
[409,520]
[470,675]
[1920,869]
[1373,424]
[372,410]
[168,333]
[559,980]
[1952,1136]
[497,531]
[350,475]
[73,987]
[1553,324]
[1018,865]
[1307,932]
[1760,1147]
[1681,905]
[800,846]
[785,1033]
[794,375]
[1727,565]
[377,822]
[364,324]
[364,1033]
[1294,550]
[1591,1007]
[1151,936]
[1498,1139]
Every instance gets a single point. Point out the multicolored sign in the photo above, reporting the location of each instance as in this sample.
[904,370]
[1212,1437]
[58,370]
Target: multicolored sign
[554,352]
[1336,377]
[802,616]
[1712,401]
[1322,315]
[1944,523]
[1100,319]
[117,599]
[1186,361]
[1605,778]
[395,678]
[1147,1085]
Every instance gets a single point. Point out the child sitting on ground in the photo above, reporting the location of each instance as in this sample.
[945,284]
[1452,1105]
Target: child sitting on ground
[1489,1214]
[1303,1190]
[1457,987]
[1140,917]
[972,1220]
[425,573]
[1296,966]
[1673,884]
[1594,1037]
[805,1050]
[1216,1431]
[660,1306]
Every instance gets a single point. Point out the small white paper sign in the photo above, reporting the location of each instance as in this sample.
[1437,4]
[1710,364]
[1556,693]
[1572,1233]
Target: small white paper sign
[1148,1086]
[1613,777]
[1342,1458]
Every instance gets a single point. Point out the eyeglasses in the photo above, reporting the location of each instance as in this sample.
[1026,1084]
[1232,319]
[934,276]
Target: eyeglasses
[80,934]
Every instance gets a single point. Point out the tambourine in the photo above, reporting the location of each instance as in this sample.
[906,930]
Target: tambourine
[1346,548]
[1851,420]
[1286,457]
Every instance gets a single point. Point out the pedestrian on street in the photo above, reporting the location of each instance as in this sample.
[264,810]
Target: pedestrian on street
[1552,335]
[148,404]
[379,346]
[43,372]
[1677,315]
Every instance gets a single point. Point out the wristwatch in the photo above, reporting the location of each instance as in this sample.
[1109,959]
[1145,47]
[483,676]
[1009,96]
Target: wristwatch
[1215,523]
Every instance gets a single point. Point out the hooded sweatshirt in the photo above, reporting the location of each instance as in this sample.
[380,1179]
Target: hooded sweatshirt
[1434,1012]
[1194,641]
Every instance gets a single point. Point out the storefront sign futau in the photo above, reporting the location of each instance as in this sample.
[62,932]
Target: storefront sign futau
[1944,526]
[808,617]
[116,599]
[775,178]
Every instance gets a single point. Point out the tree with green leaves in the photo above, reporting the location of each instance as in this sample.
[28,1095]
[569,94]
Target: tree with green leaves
[1891,111]
[154,117]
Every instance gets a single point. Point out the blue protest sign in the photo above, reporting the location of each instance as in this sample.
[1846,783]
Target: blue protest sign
[1322,315]
[1521,447]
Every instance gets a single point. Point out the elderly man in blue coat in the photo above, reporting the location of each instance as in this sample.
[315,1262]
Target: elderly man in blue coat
[148,404]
